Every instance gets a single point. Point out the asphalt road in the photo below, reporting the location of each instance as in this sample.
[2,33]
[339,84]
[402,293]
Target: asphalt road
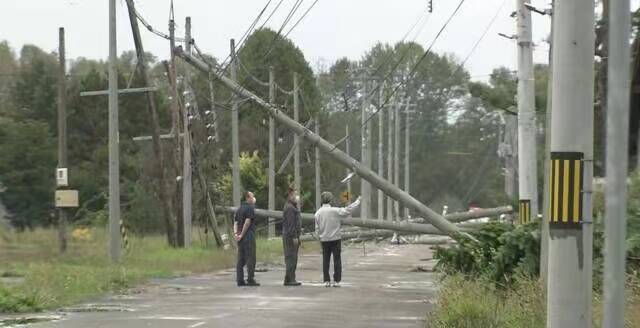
[381,288]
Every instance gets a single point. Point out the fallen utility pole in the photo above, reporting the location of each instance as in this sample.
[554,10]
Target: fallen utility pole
[337,154]
[358,222]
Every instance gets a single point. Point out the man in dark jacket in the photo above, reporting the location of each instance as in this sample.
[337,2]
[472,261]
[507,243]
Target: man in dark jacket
[243,228]
[291,227]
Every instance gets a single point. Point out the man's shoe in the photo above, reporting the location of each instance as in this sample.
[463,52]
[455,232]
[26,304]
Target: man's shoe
[252,283]
[292,283]
[241,283]
[336,284]
[327,283]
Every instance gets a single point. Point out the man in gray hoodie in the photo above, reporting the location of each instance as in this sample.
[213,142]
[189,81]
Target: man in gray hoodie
[328,222]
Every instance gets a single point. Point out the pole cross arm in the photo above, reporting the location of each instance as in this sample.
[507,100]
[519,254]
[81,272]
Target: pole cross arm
[338,155]
[120,91]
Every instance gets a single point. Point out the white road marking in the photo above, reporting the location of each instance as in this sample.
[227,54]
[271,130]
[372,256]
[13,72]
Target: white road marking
[197,324]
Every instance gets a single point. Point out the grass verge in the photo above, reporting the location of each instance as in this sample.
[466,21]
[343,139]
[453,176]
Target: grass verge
[35,277]
[468,302]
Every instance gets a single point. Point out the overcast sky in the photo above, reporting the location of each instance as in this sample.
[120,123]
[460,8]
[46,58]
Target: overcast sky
[332,29]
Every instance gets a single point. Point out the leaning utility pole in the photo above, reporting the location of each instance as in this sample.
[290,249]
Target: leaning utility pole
[296,138]
[164,189]
[570,223]
[617,162]
[235,142]
[62,136]
[390,151]
[381,152]
[187,186]
[365,187]
[272,154]
[334,152]
[114,144]
[527,188]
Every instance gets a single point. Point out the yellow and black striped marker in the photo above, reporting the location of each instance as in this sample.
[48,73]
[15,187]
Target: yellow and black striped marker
[567,181]
[524,212]
[123,233]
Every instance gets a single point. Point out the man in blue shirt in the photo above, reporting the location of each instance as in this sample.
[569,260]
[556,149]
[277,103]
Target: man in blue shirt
[243,228]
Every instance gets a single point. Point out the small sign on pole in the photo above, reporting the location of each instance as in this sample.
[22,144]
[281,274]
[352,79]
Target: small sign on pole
[62,178]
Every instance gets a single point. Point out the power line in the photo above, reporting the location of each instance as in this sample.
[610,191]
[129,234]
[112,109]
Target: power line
[410,76]
[301,18]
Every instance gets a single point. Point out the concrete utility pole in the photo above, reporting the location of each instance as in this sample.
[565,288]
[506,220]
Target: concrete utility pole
[187,185]
[317,166]
[348,151]
[511,155]
[570,222]
[336,154]
[62,135]
[527,188]
[617,162]
[296,138]
[407,155]
[365,187]
[390,151]
[544,236]
[396,158]
[272,154]
[235,142]
[114,142]
[381,152]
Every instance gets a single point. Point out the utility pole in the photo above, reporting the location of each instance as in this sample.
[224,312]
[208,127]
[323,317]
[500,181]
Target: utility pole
[396,158]
[114,142]
[390,151]
[214,112]
[407,156]
[187,186]
[272,154]
[365,187]
[235,142]
[348,151]
[511,154]
[527,187]
[617,162]
[296,138]
[570,222]
[175,126]
[381,152]
[62,136]
[317,166]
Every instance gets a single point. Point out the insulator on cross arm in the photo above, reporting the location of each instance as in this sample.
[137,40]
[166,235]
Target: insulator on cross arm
[211,138]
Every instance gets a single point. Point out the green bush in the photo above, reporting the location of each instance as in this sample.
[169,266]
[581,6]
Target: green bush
[503,250]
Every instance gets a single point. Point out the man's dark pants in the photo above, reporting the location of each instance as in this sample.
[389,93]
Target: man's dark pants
[290,258]
[246,256]
[330,248]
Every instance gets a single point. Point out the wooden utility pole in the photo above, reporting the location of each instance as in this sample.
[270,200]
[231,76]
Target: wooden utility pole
[235,141]
[187,185]
[381,151]
[272,154]
[62,135]
[175,126]
[115,242]
[570,222]
[296,138]
[616,163]
[164,189]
